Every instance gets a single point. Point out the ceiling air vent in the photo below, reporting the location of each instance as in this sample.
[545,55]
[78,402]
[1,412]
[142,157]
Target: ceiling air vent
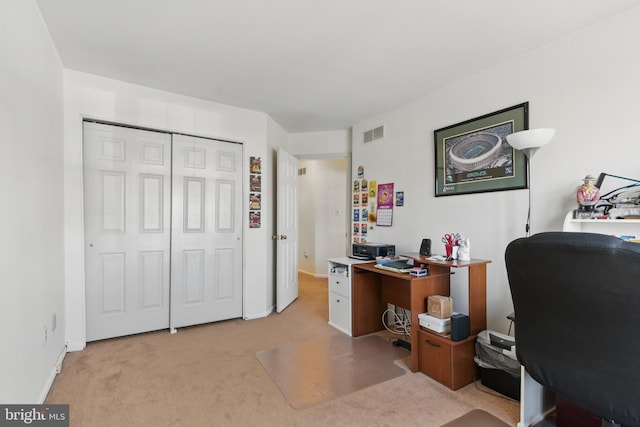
[373,134]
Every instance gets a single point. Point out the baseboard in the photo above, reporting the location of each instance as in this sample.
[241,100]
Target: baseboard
[57,367]
[260,315]
[76,346]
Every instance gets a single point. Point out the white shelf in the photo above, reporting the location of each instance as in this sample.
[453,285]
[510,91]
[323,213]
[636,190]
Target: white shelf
[614,227]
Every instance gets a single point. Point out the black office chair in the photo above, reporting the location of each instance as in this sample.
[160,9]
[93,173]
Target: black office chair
[576,298]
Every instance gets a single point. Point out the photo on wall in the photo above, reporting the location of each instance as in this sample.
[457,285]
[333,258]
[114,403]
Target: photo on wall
[474,156]
[255,164]
[255,184]
[254,201]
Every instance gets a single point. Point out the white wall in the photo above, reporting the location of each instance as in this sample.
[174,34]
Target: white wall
[307,217]
[320,144]
[31,218]
[92,96]
[585,85]
[322,214]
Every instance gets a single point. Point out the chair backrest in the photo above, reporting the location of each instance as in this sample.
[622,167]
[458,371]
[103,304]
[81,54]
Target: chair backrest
[576,298]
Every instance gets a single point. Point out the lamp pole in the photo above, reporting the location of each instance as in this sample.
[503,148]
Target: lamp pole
[529,152]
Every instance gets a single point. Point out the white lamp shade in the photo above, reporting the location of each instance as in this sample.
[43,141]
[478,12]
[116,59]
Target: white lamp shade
[533,138]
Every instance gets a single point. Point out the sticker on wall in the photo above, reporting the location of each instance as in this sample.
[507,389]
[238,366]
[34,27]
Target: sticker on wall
[363,185]
[356,186]
[372,190]
[360,171]
[399,198]
[363,230]
[356,229]
[372,218]
[385,205]
[356,200]
[356,215]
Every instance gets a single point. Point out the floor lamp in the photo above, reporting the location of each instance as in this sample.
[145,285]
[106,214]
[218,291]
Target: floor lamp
[529,141]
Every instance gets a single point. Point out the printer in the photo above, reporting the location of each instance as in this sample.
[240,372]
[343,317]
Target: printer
[372,250]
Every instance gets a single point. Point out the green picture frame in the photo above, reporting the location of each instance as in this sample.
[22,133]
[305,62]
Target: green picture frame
[474,157]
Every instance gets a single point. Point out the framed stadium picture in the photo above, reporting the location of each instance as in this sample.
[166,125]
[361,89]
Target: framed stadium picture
[474,156]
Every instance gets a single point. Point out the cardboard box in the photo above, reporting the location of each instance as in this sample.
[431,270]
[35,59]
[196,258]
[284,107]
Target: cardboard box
[439,306]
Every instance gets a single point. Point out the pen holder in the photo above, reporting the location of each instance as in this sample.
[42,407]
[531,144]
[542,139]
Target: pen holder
[449,251]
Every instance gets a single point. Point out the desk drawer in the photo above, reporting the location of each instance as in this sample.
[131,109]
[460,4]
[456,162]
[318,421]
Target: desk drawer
[435,358]
[340,285]
[340,312]
[448,362]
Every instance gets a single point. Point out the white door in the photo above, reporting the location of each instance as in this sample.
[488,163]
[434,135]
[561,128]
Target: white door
[127,174]
[206,251]
[287,231]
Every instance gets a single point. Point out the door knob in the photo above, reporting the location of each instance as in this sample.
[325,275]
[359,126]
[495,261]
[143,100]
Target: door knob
[274,237]
[283,236]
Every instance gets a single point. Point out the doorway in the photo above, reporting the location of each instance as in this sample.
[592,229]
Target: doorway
[163,235]
[323,209]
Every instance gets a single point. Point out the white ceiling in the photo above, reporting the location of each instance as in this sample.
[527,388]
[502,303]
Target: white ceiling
[312,65]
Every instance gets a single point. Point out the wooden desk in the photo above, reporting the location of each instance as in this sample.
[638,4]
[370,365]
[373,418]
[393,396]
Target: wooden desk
[373,288]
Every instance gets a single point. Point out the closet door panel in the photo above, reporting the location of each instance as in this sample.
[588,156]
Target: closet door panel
[127,236]
[206,218]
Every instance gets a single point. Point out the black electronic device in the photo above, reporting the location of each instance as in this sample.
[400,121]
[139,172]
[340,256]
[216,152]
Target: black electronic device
[372,250]
[425,247]
[502,343]
[459,327]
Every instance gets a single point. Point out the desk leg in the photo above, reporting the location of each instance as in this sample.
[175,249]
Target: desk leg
[477,298]
[416,308]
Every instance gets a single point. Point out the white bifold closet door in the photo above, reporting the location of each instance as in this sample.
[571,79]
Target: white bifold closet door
[162,230]
[127,214]
[206,251]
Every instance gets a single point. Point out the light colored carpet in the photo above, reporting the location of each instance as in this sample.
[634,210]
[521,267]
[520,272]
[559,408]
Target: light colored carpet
[209,375]
[319,370]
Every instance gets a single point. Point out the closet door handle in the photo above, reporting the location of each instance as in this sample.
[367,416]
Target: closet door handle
[433,344]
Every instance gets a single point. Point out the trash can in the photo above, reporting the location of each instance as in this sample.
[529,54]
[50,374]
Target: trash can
[497,363]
